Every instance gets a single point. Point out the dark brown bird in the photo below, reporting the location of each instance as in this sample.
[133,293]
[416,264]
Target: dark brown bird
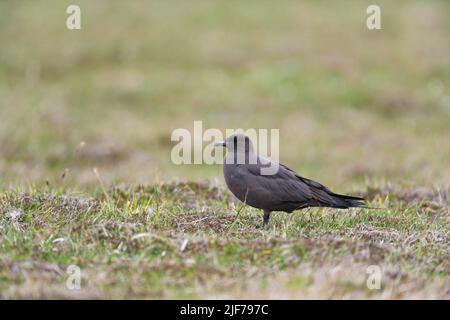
[283,191]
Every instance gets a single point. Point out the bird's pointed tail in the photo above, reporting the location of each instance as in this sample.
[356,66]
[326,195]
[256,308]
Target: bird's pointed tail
[345,201]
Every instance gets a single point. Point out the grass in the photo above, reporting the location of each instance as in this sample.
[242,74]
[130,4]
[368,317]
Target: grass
[362,105]
[189,240]
[364,112]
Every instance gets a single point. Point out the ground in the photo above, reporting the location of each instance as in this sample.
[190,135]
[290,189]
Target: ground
[189,240]
[86,177]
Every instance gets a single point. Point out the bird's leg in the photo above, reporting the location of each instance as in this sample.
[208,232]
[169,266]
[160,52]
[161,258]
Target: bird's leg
[266,217]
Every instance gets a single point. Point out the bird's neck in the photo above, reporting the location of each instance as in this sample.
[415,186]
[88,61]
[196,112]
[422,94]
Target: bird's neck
[241,158]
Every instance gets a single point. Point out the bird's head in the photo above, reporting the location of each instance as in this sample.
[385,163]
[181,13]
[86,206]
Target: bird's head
[238,143]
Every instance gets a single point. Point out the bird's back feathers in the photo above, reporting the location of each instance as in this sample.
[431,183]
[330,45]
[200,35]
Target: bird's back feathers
[283,191]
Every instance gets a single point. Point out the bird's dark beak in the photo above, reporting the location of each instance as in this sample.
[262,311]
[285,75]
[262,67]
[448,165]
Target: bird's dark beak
[220,144]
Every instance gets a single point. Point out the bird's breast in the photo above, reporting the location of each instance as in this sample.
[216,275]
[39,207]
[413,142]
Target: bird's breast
[240,184]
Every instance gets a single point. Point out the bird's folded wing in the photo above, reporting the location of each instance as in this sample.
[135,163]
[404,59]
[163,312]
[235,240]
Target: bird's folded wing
[284,186]
[287,186]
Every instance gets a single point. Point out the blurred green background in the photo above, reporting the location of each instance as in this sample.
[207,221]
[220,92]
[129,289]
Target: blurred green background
[353,106]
